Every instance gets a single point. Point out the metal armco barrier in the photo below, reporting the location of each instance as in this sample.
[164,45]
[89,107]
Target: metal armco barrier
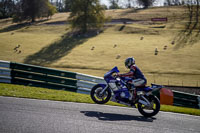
[31,75]
[199,101]
[185,99]
[5,72]
[86,82]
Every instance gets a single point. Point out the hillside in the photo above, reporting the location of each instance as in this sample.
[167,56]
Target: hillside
[48,43]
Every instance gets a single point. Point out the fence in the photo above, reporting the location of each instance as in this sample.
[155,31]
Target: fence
[186,100]
[30,75]
[5,72]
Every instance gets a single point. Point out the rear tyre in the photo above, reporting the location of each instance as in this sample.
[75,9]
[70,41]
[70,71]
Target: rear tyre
[99,98]
[150,111]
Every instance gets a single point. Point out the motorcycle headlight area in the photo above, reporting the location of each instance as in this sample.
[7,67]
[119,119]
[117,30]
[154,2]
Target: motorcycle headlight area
[114,74]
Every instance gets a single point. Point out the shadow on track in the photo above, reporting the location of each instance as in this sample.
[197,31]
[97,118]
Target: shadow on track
[116,117]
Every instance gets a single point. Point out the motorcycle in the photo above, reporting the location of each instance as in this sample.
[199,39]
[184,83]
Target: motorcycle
[118,89]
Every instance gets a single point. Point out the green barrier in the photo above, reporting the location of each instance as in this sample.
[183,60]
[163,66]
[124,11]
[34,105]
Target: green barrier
[43,77]
[157,94]
[43,84]
[184,95]
[185,99]
[185,103]
[37,76]
[198,98]
[43,70]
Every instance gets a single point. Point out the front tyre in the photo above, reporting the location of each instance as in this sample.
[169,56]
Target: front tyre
[98,97]
[153,109]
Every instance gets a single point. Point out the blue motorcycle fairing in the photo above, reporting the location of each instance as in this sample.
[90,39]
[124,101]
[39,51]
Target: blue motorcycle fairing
[102,85]
[108,75]
[109,79]
[115,69]
[146,89]
[118,93]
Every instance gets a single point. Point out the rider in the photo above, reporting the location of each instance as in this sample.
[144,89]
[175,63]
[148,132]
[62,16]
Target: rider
[134,73]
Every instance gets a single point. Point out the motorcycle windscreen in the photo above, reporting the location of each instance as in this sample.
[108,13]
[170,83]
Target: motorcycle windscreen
[115,69]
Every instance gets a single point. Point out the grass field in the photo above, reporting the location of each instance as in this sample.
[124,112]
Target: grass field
[48,43]
[59,95]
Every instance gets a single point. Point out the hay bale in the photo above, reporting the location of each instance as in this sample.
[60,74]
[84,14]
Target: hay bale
[165,47]
[92,48]
[118,56]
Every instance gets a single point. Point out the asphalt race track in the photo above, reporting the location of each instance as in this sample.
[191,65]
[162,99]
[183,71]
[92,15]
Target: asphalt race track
[18,115]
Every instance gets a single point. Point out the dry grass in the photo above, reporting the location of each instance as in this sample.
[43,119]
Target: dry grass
[169,65]
[96,55]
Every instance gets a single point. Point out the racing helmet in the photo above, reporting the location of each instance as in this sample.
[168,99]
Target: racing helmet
[129,62]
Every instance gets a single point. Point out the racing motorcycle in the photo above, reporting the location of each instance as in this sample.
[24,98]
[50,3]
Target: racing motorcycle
[118,89]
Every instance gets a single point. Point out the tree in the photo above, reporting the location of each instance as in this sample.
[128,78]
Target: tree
[68,5]
[60,6]
[114,4]
[104,6]
[129,4]
[86,14]
[51,10]
[6,8]
[32,9]
[175,2]
[145,3]
[167,3]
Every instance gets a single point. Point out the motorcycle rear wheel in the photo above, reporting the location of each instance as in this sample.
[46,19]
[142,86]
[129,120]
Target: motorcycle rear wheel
[99,98]
[144,110]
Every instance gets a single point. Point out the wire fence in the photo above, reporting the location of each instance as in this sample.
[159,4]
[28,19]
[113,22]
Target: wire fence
[175,80]
[178,83]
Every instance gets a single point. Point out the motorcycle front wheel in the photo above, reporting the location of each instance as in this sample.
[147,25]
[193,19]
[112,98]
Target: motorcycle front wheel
[153,109]
[98,97]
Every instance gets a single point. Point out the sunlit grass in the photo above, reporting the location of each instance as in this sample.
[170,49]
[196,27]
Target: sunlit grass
[175,109]
[66,96]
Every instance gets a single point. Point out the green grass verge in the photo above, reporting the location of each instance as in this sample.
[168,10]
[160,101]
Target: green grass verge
[44,94]
[61,95]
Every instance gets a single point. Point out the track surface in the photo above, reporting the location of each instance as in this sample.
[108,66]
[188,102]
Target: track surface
[18,115]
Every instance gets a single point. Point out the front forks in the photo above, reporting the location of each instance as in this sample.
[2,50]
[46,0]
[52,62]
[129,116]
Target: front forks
[144,101]
[103,91]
